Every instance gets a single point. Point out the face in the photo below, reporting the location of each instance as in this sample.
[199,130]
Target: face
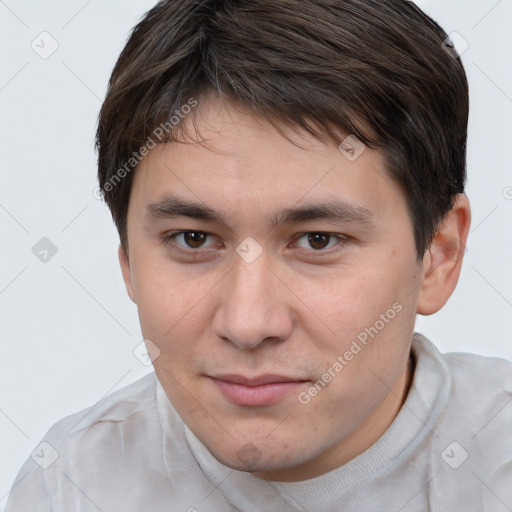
[279,284]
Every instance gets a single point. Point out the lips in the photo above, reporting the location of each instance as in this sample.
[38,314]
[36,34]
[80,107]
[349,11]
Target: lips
[256,381]
[262,390]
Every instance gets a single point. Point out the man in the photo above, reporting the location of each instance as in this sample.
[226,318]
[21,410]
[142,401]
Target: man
[287,179]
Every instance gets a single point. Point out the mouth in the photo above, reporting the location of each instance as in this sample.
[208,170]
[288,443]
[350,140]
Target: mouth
[256,391]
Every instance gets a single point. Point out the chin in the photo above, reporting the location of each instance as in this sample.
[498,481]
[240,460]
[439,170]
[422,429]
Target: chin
[250,458]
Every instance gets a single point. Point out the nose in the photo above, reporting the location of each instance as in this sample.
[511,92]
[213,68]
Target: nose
[253,305]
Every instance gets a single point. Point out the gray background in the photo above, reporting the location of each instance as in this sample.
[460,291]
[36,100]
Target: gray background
[68,329]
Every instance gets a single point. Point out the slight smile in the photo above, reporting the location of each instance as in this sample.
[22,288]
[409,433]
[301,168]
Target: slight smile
[259,391]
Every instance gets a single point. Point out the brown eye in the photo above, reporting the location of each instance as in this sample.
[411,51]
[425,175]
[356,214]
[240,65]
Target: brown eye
[318,240]
[194,239]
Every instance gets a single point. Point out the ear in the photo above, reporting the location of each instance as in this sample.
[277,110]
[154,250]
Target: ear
[125,269]
[442,262]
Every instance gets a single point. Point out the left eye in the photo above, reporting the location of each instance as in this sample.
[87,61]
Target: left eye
[319,241]
[189,239]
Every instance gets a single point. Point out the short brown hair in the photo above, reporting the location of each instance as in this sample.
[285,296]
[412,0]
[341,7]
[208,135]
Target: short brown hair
[374,68]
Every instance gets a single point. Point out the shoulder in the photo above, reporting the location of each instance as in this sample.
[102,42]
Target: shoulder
[479,376]
[90,447]
[108,418]
[476,391]
[467,374]
[481,395]
[128,413]
[120,406]
[472,435]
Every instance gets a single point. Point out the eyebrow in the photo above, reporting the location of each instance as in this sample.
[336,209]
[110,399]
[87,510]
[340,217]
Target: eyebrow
[332,210]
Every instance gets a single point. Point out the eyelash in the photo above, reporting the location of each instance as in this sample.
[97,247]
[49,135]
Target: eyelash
[313,253]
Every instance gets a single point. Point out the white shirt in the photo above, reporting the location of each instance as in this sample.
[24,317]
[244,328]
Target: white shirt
[449,449]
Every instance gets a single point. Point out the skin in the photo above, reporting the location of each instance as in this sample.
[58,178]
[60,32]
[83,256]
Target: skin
[295,308]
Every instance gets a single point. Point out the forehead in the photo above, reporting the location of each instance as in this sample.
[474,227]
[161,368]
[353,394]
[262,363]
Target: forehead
[240,160]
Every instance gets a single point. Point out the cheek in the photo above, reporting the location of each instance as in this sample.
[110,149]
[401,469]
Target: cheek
[367,318]
[172,304]
[349,302]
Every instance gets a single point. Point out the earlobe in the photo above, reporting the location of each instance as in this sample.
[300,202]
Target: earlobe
[443,260]
[126,271]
